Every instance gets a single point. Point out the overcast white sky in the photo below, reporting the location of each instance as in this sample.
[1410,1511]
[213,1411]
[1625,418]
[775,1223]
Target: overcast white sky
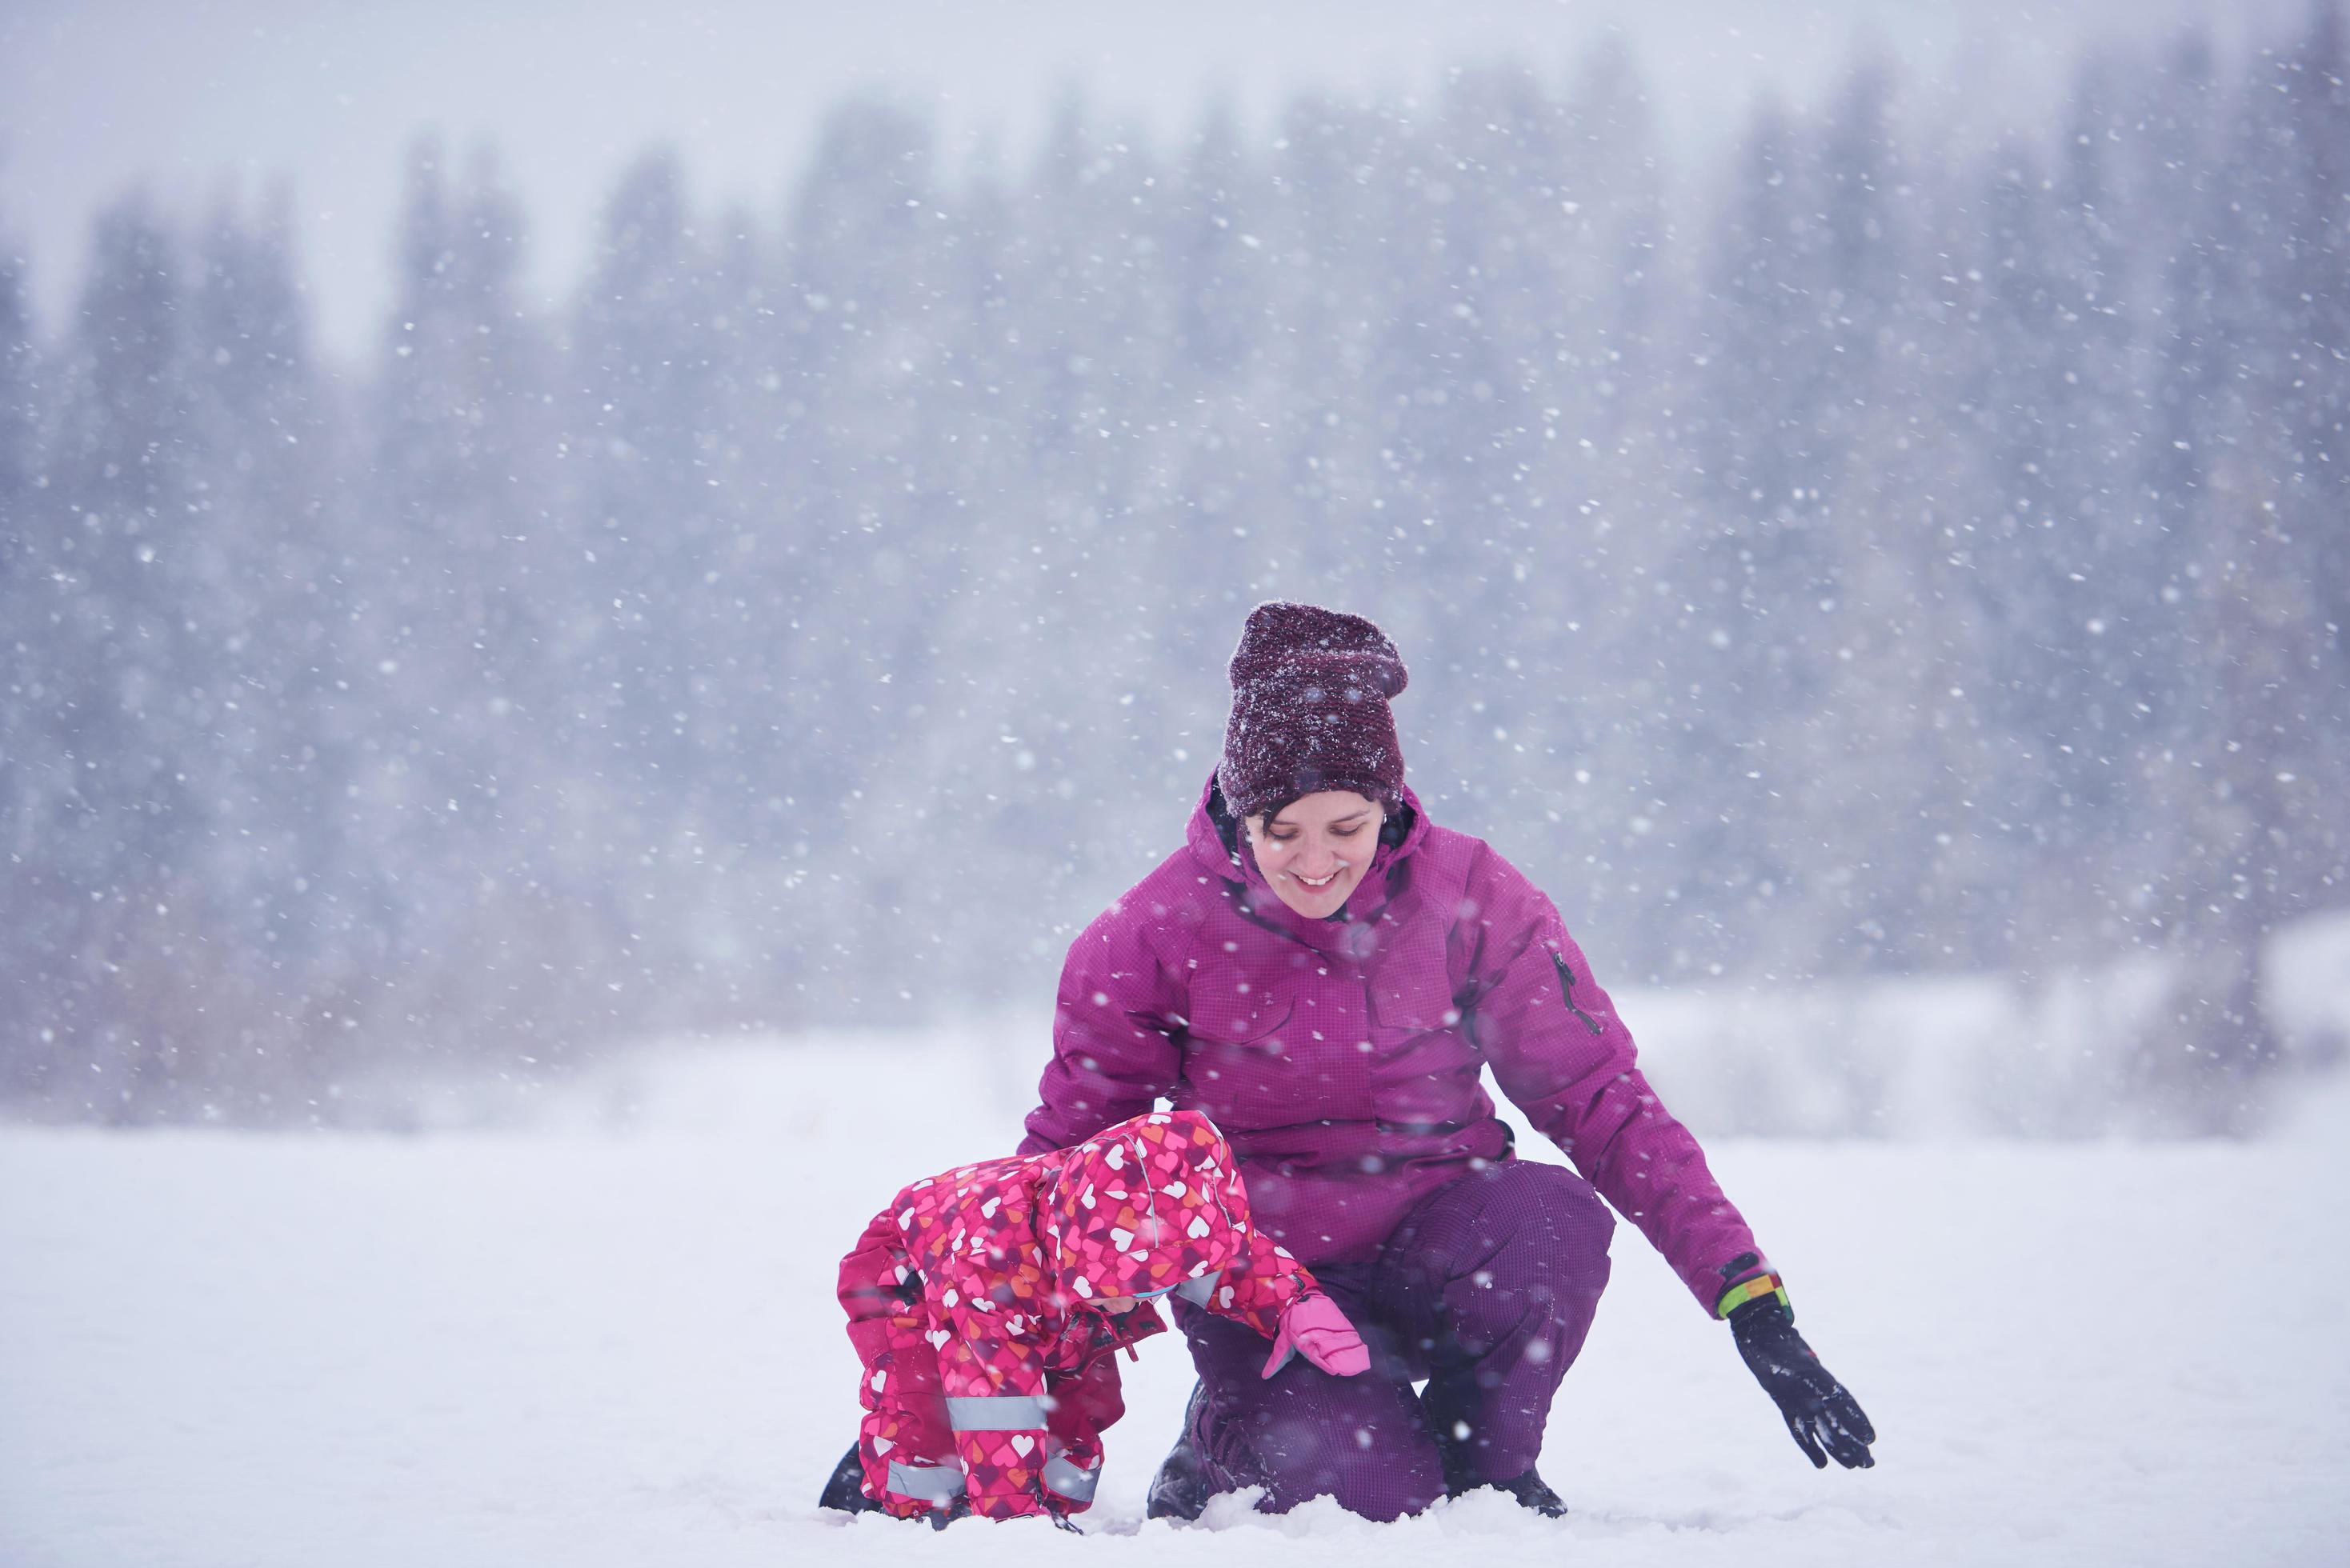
[188,97]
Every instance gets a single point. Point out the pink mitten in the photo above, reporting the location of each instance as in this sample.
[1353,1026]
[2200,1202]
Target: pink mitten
[1314,1325]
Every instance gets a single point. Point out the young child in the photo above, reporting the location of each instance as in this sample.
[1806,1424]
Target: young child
[987,1306]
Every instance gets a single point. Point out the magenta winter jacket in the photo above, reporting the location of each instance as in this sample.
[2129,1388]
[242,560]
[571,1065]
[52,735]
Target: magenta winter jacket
[1341,1056]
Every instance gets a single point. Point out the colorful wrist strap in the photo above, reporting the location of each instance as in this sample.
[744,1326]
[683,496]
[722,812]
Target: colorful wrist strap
[1754,1289]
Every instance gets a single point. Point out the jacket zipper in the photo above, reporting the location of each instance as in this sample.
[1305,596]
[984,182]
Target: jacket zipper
[1566,985]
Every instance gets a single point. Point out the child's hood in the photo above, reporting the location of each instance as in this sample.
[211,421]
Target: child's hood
[1148,1204]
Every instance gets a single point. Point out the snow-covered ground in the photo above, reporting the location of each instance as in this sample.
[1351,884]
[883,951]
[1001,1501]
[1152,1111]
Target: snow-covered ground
[608,1338]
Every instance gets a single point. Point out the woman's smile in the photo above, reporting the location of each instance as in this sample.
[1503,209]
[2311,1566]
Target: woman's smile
[1291,849]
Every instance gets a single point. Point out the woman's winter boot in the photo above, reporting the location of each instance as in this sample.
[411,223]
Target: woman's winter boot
[1181,1488]
[1531,1490]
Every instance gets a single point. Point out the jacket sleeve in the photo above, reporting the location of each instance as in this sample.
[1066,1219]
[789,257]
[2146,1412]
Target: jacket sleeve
[1259,1283]
[1114,1027]
[1562,1055]
[999,1405]
[904,1441]
[1257,1288]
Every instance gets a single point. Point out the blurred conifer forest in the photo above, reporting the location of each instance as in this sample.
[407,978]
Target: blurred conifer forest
[1897,546]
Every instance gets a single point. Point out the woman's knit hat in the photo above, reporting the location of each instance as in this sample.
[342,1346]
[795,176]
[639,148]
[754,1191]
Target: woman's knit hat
[1310,689]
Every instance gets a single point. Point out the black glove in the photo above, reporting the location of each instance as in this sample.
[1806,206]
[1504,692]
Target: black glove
[1820,1412]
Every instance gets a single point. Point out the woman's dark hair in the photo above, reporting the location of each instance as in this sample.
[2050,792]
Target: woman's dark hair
[1393,830]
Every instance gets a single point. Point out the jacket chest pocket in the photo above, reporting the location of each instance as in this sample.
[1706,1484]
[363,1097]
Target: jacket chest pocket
[1410,991]
[1236,1055]
[1231,1012]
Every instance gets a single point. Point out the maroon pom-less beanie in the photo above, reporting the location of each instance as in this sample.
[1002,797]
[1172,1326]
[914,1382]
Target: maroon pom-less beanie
[1310,689]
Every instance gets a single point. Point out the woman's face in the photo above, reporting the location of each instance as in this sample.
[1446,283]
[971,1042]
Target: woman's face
[1316,850]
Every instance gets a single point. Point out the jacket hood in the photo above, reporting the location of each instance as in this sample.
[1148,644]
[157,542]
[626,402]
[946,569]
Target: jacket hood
[1145,1206]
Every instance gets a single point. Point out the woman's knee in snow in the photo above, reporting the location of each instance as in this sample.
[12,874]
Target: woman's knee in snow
[1380,1470]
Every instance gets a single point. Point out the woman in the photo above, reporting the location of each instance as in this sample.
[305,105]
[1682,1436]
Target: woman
[1324,972]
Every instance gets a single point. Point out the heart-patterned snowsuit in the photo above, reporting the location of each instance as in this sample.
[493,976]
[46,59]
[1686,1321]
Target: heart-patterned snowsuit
[989,1372]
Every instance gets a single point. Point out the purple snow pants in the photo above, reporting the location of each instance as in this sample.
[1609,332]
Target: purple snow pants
[1486,1290]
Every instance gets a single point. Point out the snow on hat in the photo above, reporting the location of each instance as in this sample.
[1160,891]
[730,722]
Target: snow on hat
[1310,689]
